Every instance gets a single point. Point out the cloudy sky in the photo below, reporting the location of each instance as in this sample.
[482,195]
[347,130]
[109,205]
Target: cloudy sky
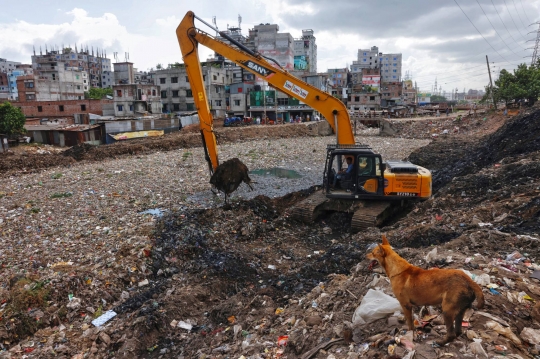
[435,36]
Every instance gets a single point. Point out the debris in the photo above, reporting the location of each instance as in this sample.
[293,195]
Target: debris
[375,305]
[104,318]
[506,331]
[530,335]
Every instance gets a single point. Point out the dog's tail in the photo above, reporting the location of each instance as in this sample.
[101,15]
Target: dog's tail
[478,293]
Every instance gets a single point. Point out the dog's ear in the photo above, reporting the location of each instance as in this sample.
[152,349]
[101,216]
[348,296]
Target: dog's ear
[382,251]
[385,241]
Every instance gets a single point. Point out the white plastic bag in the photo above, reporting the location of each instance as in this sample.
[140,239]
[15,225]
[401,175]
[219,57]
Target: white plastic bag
[375,305]
[432,255]
[476,348]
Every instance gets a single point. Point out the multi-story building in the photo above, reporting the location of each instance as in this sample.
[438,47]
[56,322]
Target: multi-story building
[133,99]
[97,66]
[176,94]
[305,54]
[268,41]
[409,93]
[52,83]
[363,102]
[4,86]
[390,65]
[7,66]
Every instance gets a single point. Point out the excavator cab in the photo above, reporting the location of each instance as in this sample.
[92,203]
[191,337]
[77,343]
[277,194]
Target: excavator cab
[353,172]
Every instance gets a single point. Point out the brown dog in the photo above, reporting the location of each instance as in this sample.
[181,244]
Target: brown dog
[413,286]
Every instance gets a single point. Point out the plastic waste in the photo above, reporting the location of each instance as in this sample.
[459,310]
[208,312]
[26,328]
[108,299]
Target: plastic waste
[432,255]
[531,336]
[185,325]
[482,279]
[476,348]
[104,318]
[375,305]
[507,332]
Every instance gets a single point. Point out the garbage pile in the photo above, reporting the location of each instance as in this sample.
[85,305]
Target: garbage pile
[248,281]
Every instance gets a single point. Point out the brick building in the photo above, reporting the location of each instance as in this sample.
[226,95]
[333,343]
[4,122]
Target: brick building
[66,108]
[391,91]
[365,102]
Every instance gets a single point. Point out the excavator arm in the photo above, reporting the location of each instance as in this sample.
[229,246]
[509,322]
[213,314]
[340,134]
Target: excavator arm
[189,37]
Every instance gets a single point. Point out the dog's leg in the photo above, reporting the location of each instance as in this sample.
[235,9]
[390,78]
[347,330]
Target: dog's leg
[458,321]
[407,311]
[449,313]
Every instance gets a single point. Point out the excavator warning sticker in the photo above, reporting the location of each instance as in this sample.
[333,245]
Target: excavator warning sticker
[295,89]
[201,97]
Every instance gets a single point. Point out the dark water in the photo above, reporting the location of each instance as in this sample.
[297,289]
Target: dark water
[276,172]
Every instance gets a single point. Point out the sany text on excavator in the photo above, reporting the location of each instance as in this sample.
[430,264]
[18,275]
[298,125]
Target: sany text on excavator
[368,187]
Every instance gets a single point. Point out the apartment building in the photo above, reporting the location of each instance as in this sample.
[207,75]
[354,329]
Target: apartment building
[133,99]
[176,94]
[53,84]
[96,65]
[390,65]
[305,54]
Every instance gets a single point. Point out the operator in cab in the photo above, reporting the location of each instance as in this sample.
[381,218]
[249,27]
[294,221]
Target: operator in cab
[342,174]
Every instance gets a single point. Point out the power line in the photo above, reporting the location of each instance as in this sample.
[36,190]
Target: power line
[509,33]
[519,16]
[511,17]
[495,28]
[525,12]
[480,32]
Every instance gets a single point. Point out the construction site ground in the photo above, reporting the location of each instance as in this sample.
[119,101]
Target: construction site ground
[134,228]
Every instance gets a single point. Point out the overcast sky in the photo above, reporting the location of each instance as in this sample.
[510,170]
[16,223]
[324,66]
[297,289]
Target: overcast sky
[434,36]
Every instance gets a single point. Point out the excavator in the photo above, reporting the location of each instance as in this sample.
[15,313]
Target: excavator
[367,186]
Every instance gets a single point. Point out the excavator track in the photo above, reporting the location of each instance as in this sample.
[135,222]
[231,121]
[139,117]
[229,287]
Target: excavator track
[307,210]
[367,213]
[372,214]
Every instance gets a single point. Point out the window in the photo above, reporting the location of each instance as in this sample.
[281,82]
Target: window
[372,98]
[217,102]
[162,80]
[283,101]
[393,77]
[120,107]
[119,93]
[240,90]
[40,109]
[30,97]
[78,87]
[175,93]
[174,80]
[83,107]
[61,108]
[153,92]
[164,94]
[217,89]
[237,102]
[176,107]
[190,106]
[394,70]
[357,98]
[364,60]
[77,76]
[29,85]
[395,58]
[204,77]
[165,107]
[365,53]
[131,108]
[189,93]
[395,64]
[214,77]
[187,79]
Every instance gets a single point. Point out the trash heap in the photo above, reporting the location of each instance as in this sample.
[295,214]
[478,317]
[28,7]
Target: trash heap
[249,282]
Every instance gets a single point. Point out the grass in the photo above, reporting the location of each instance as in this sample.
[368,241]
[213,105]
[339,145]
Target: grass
[61,195]
[35,210]
[186,155]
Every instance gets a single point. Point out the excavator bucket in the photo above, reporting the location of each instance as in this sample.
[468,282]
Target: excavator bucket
[229,175]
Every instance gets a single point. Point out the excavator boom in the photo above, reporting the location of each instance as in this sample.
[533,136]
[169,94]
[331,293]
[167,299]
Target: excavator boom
[189,37]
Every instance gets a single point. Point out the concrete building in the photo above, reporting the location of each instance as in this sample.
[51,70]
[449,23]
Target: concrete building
[176,95]
[136,100]
[4,86]
[305,53]
[7,66]
[268,41]
[409,93]
[390,67]
[365,102]
[54,83]
[97,65]
[389,64]
[124,73]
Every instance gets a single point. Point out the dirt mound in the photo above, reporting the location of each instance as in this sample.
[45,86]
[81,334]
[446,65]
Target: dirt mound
[229,175]
[78,152]
[27,163]
[451,157]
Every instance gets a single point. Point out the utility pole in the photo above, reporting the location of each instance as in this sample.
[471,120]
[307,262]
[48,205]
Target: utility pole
[491,84]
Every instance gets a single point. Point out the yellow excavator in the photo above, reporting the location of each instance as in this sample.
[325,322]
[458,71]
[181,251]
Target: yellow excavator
[366,186]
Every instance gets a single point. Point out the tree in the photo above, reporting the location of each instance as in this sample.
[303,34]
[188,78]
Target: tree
[437,98]
[11,119]
[523,84]
[97,93]
[159,67]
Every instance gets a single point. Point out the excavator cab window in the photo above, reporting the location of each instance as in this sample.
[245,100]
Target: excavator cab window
[369,174]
